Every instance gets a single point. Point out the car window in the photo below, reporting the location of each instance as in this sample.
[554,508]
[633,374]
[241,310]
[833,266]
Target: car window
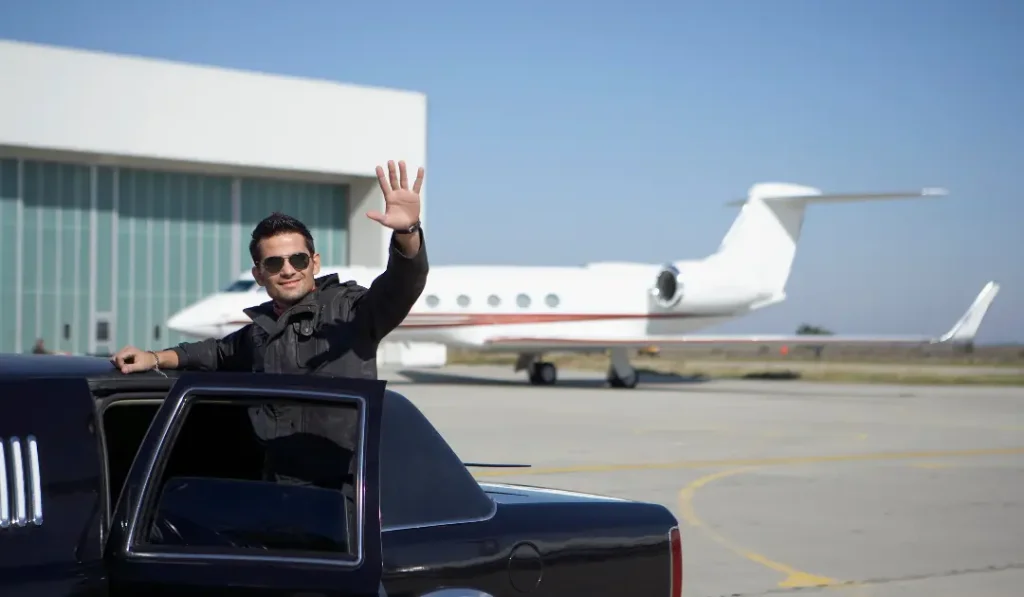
[258,478]
[423,480]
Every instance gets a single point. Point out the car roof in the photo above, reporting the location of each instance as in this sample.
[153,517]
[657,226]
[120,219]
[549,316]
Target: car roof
[31,365]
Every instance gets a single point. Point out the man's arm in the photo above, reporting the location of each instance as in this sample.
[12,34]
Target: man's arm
[230,353]
[392,294]
[213,354]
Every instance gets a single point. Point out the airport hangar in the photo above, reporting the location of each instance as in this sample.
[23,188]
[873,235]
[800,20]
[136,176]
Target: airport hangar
[129,187]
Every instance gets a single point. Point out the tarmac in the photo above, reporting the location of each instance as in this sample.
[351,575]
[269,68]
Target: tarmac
[781,487]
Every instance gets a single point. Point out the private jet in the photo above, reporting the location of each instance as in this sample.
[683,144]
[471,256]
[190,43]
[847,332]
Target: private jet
[610,306]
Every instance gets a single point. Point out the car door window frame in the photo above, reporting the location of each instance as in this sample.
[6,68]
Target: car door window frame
[134,545]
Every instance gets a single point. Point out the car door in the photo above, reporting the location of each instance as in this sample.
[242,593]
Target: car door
[176,531]
[51,488]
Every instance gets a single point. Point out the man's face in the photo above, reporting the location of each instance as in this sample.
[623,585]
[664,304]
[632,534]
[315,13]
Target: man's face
[286,269]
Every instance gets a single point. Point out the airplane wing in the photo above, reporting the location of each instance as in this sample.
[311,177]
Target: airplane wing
[963,331]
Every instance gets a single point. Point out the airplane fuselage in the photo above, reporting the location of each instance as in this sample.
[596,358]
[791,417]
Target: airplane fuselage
[512,308]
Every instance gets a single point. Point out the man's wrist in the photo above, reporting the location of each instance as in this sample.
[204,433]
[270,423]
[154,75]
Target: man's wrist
[409,243]
[165,359]
[415,227]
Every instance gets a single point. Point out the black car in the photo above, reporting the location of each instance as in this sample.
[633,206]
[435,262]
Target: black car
[153,485]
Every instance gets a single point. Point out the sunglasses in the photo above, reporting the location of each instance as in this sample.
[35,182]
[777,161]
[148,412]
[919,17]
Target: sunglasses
[299,261]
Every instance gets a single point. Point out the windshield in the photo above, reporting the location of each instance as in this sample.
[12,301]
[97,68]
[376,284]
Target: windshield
[240,286]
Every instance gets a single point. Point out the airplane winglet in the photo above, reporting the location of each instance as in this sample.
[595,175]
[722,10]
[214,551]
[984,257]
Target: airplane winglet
[966,328]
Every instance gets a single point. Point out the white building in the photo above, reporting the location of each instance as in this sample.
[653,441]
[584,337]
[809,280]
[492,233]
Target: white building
[129,186]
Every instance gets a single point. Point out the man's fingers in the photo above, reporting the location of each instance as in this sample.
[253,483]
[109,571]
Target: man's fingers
[383,182]
[131,359]
[375,216]
[393,175]
[126,360]
[398,178]
[119,356]
[416,186]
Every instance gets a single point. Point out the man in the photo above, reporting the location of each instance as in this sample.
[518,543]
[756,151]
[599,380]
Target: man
[322,326]
[311,326]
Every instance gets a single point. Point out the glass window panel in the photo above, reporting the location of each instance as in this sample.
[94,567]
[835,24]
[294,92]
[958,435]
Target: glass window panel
[339,216]
[68,238]
[9,201]
[124,192]
[106,263]
[48,256]
[208,199]
[176,244]
[82,196]
[30,251]
[192,222]
[158,200]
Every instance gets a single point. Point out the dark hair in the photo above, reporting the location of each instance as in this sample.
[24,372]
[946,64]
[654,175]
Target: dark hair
[274,224]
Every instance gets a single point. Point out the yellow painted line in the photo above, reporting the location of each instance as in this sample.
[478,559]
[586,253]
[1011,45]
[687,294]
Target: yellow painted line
[745,462]
[794,578]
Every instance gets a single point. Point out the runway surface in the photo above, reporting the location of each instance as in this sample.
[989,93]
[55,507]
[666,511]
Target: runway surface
[781,487]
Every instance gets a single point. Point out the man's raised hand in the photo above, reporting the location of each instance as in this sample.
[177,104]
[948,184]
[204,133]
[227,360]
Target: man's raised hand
[401,204]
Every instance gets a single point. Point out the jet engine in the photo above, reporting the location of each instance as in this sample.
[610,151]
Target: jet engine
[668,287]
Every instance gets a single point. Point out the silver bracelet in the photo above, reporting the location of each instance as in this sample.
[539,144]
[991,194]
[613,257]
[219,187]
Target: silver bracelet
[157,366]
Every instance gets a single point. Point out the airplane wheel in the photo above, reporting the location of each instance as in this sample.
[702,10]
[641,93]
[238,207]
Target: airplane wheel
[617,382]
[543,374]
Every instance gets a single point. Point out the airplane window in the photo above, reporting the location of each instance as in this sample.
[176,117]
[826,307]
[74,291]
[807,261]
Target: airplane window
[523,301]
[240,286]
[463,300]
[551,300]
[493,300]
[432,301]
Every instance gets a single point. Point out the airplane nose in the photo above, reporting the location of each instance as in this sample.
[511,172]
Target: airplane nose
[182,323]
[193,321]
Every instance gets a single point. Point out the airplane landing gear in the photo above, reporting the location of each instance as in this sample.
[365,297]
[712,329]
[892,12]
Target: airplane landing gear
[630,381]
[622,374]
[540,373]
[543,374]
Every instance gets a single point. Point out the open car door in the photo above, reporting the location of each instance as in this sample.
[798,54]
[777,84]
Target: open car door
[253,484]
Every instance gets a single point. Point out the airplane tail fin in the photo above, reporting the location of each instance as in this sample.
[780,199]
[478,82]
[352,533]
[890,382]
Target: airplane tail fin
[967,327]
[761,243]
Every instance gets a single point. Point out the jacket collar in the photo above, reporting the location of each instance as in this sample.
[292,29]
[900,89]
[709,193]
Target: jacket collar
[264,314]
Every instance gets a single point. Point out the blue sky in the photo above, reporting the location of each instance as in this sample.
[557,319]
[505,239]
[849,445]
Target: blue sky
[567,132]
